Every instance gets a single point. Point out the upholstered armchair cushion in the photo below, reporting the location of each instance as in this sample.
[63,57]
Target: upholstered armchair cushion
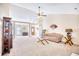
[54,37]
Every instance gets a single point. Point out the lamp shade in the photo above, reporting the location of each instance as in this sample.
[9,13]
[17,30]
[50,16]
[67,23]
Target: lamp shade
[69,30]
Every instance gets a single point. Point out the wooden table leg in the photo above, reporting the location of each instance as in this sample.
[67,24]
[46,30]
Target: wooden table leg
[46,41]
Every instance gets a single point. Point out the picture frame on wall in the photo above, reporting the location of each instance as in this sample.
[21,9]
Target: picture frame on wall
[32,30]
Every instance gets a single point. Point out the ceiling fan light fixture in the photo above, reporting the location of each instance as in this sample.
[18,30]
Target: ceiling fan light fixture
[75,8]
[40,13]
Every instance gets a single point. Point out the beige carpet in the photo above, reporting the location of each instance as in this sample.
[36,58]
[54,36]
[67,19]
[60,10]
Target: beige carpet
[25,46]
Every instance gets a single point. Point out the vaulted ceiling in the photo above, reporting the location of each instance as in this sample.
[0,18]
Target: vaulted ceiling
[50,8]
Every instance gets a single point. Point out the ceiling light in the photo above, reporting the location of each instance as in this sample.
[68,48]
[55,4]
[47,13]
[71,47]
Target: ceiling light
[75,8]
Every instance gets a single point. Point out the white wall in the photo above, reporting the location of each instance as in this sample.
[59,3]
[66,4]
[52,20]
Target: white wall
[0,37]
[22,14]
[4,10]
[17,13]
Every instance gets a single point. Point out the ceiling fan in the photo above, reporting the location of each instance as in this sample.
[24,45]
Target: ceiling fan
[40,13]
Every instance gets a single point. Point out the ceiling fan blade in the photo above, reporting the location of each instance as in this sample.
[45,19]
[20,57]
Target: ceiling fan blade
[43,15]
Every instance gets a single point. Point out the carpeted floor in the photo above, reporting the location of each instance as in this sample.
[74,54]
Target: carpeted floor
[28,46]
